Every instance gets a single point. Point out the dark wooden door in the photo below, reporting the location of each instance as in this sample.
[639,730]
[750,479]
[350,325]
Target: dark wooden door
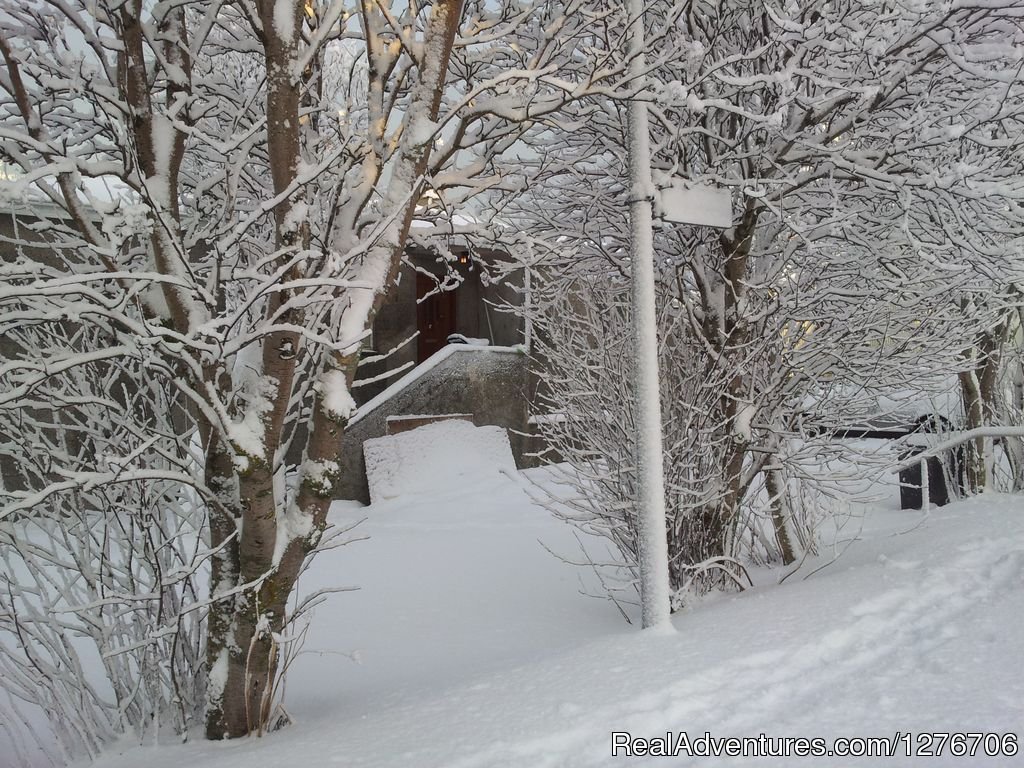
[435,317]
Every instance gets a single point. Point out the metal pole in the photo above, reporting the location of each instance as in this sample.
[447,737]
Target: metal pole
[926,490]
[653,543]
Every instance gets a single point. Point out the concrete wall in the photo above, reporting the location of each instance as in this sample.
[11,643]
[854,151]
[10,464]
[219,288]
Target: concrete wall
[491,383]
[476,316]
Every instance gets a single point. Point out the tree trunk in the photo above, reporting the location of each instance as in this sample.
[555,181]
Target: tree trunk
[779,512]
[974,469]
[983,401]
[243,654]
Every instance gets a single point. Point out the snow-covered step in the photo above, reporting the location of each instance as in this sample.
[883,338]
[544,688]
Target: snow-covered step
[435,457]
[396,424]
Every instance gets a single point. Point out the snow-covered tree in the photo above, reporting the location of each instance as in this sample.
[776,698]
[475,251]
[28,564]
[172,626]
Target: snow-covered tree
[840,129]
[233,185]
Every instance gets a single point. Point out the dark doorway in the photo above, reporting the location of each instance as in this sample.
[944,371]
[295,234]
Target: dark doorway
[435,317]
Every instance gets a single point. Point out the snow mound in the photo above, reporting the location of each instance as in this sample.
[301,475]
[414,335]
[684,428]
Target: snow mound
[439,456]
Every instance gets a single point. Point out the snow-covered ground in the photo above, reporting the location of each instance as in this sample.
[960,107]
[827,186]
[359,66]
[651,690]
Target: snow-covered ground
[475,648]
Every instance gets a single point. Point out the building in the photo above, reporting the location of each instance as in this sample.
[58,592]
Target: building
[455,350]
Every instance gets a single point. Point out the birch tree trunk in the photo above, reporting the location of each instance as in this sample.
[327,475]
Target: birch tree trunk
[983,401]
[243,651]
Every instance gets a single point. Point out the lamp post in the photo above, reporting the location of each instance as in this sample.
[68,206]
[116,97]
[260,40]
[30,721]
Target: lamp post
[652,539]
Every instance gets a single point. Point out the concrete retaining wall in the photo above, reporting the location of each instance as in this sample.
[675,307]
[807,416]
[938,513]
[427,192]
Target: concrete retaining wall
[489,382]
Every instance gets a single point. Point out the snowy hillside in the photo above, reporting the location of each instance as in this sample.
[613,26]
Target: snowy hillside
[475,649]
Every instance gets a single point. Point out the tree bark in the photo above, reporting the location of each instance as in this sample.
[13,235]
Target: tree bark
[983,401]
[974,468]
[777,504]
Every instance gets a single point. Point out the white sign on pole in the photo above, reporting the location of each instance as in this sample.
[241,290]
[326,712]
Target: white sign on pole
[700,204]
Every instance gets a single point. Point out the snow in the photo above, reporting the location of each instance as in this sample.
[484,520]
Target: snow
[455,220]
[337,399]
[163,146]
[293,523]
[458,338]
[468,645]
[246,434]
[422,130]
[435,456]
[411,416]
[297,214]
[218,676]
[742,424]
[684,202]
[284,19]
